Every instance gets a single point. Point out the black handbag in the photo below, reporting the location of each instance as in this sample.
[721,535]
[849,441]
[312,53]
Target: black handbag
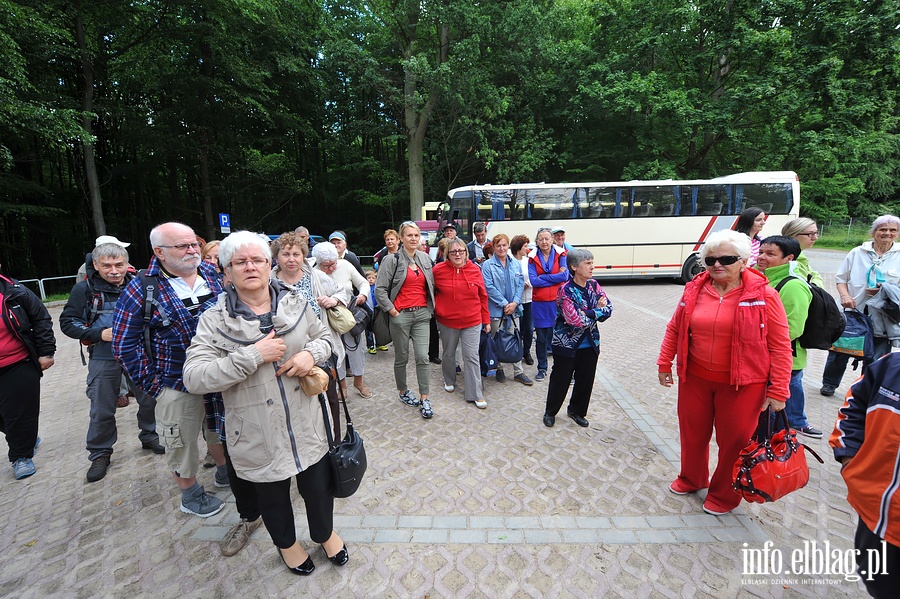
[487,355]
[348,458]
[508,341]
[381,326]
[363,315]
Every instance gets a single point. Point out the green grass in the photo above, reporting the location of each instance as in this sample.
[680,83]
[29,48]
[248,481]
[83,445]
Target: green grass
[843,236]
[57,297]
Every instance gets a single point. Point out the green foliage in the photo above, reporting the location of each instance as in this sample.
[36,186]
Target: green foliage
[286,112]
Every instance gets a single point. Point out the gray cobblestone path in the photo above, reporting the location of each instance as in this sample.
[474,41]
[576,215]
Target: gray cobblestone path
[474,503]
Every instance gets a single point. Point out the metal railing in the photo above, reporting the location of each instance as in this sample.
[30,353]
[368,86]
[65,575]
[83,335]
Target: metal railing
[42,292]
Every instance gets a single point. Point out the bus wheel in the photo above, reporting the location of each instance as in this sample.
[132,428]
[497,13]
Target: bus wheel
[692,267]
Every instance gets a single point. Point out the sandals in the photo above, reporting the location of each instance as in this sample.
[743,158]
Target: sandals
[364,391]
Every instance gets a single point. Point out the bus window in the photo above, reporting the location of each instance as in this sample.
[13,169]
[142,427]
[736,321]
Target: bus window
[657,201]
[712,200]
[601,203]
[556,203]
[771,198]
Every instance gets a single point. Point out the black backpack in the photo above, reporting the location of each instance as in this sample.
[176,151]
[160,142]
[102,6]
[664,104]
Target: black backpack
[825,322]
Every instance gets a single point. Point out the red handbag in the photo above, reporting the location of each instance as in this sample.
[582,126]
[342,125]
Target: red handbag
[772,465]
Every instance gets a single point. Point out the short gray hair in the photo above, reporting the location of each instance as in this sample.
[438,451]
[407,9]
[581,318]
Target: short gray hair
[109,250]
[887,219]
[739,242]
[238,240]
[325,252]
[575,257]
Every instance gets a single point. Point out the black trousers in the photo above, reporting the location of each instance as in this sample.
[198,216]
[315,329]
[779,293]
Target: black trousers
[20,404]
[886,581]
[278,513]
[244,491]
[434,350]
[584,366]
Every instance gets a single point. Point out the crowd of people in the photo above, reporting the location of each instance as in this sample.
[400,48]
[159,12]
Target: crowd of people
[205,336]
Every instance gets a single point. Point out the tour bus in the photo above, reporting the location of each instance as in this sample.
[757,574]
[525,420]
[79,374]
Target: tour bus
[640,229]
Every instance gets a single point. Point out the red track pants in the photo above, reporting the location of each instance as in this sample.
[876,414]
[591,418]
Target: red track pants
[702,405]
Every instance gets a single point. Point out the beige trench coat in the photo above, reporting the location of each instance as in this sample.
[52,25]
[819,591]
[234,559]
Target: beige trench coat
[273,430]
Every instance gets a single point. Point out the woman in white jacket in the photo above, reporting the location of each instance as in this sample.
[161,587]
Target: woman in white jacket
[256,340]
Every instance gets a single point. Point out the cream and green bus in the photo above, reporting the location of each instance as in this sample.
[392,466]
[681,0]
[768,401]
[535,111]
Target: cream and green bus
[640,229]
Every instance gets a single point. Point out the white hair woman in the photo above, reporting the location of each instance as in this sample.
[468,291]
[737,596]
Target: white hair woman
[859,278]
[249,346]
[729,336]
[347,277]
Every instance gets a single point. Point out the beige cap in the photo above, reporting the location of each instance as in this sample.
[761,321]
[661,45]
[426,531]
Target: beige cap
[110,239]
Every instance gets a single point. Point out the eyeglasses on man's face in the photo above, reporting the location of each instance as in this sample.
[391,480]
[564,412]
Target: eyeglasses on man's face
[723,260]
[182,247]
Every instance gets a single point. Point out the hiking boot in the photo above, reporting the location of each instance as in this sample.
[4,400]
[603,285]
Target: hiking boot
[221,481]
[426,410]
[98,469]
[827,390]
[410,399]
[23,468]
[238,536]
[202,503]
[156,448]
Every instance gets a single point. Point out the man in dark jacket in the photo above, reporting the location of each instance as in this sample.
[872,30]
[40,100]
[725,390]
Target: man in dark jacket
[88,317]
[27,346]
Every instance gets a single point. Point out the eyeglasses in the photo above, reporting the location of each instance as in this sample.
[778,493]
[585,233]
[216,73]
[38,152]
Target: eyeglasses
[182,247]
[812,234]
[257,262]
[457,252]
[723,260]
[329,265]
[542,229]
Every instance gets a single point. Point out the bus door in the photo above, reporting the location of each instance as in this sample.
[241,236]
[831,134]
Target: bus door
[460,214]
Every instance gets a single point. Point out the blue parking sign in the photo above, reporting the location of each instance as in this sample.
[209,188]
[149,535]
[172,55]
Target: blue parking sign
[224,220]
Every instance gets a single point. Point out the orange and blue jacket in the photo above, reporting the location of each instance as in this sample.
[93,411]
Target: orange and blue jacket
[868,430]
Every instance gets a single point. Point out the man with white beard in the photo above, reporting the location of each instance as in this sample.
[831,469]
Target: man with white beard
[176,288]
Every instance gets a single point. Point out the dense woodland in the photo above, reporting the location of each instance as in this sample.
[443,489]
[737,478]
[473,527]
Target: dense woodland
[117,115]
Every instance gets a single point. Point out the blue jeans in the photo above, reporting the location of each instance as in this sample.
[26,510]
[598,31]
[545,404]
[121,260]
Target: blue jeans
[836,363]
[544,338]
[526,325]
[796,403]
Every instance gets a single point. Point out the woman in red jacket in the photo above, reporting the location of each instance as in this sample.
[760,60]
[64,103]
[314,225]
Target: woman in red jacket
[730,337]
[460,306]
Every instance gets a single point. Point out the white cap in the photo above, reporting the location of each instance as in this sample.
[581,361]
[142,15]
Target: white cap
[110,239]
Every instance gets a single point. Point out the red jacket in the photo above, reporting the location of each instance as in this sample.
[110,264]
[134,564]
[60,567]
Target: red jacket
[761,345]
[460,297]
[868,430]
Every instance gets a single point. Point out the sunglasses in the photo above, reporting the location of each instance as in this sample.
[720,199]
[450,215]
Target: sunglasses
[723,260]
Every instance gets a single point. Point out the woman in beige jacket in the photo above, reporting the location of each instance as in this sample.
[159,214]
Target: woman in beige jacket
[251,346]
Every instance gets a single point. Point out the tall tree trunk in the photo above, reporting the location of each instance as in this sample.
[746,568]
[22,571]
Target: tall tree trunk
[204,130]
[87,106]
[416,119]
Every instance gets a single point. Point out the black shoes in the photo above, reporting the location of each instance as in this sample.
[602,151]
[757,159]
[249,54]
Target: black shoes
[549,420]
[304,569]
[434,360]
[154,446]
[579,420]
[340,558]
[98,469]
[501,376]
[827,390]
[528,359]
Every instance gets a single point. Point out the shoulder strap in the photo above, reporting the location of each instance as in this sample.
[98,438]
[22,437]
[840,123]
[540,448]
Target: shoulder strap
[784,281]
[150,284]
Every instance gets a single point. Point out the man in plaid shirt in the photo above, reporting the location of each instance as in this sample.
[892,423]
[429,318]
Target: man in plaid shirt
[186,287]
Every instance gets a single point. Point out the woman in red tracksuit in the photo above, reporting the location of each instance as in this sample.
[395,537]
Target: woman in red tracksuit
[461,309]
[730,337]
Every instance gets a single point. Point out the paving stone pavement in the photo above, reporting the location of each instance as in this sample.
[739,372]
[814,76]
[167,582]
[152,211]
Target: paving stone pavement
[473,503]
